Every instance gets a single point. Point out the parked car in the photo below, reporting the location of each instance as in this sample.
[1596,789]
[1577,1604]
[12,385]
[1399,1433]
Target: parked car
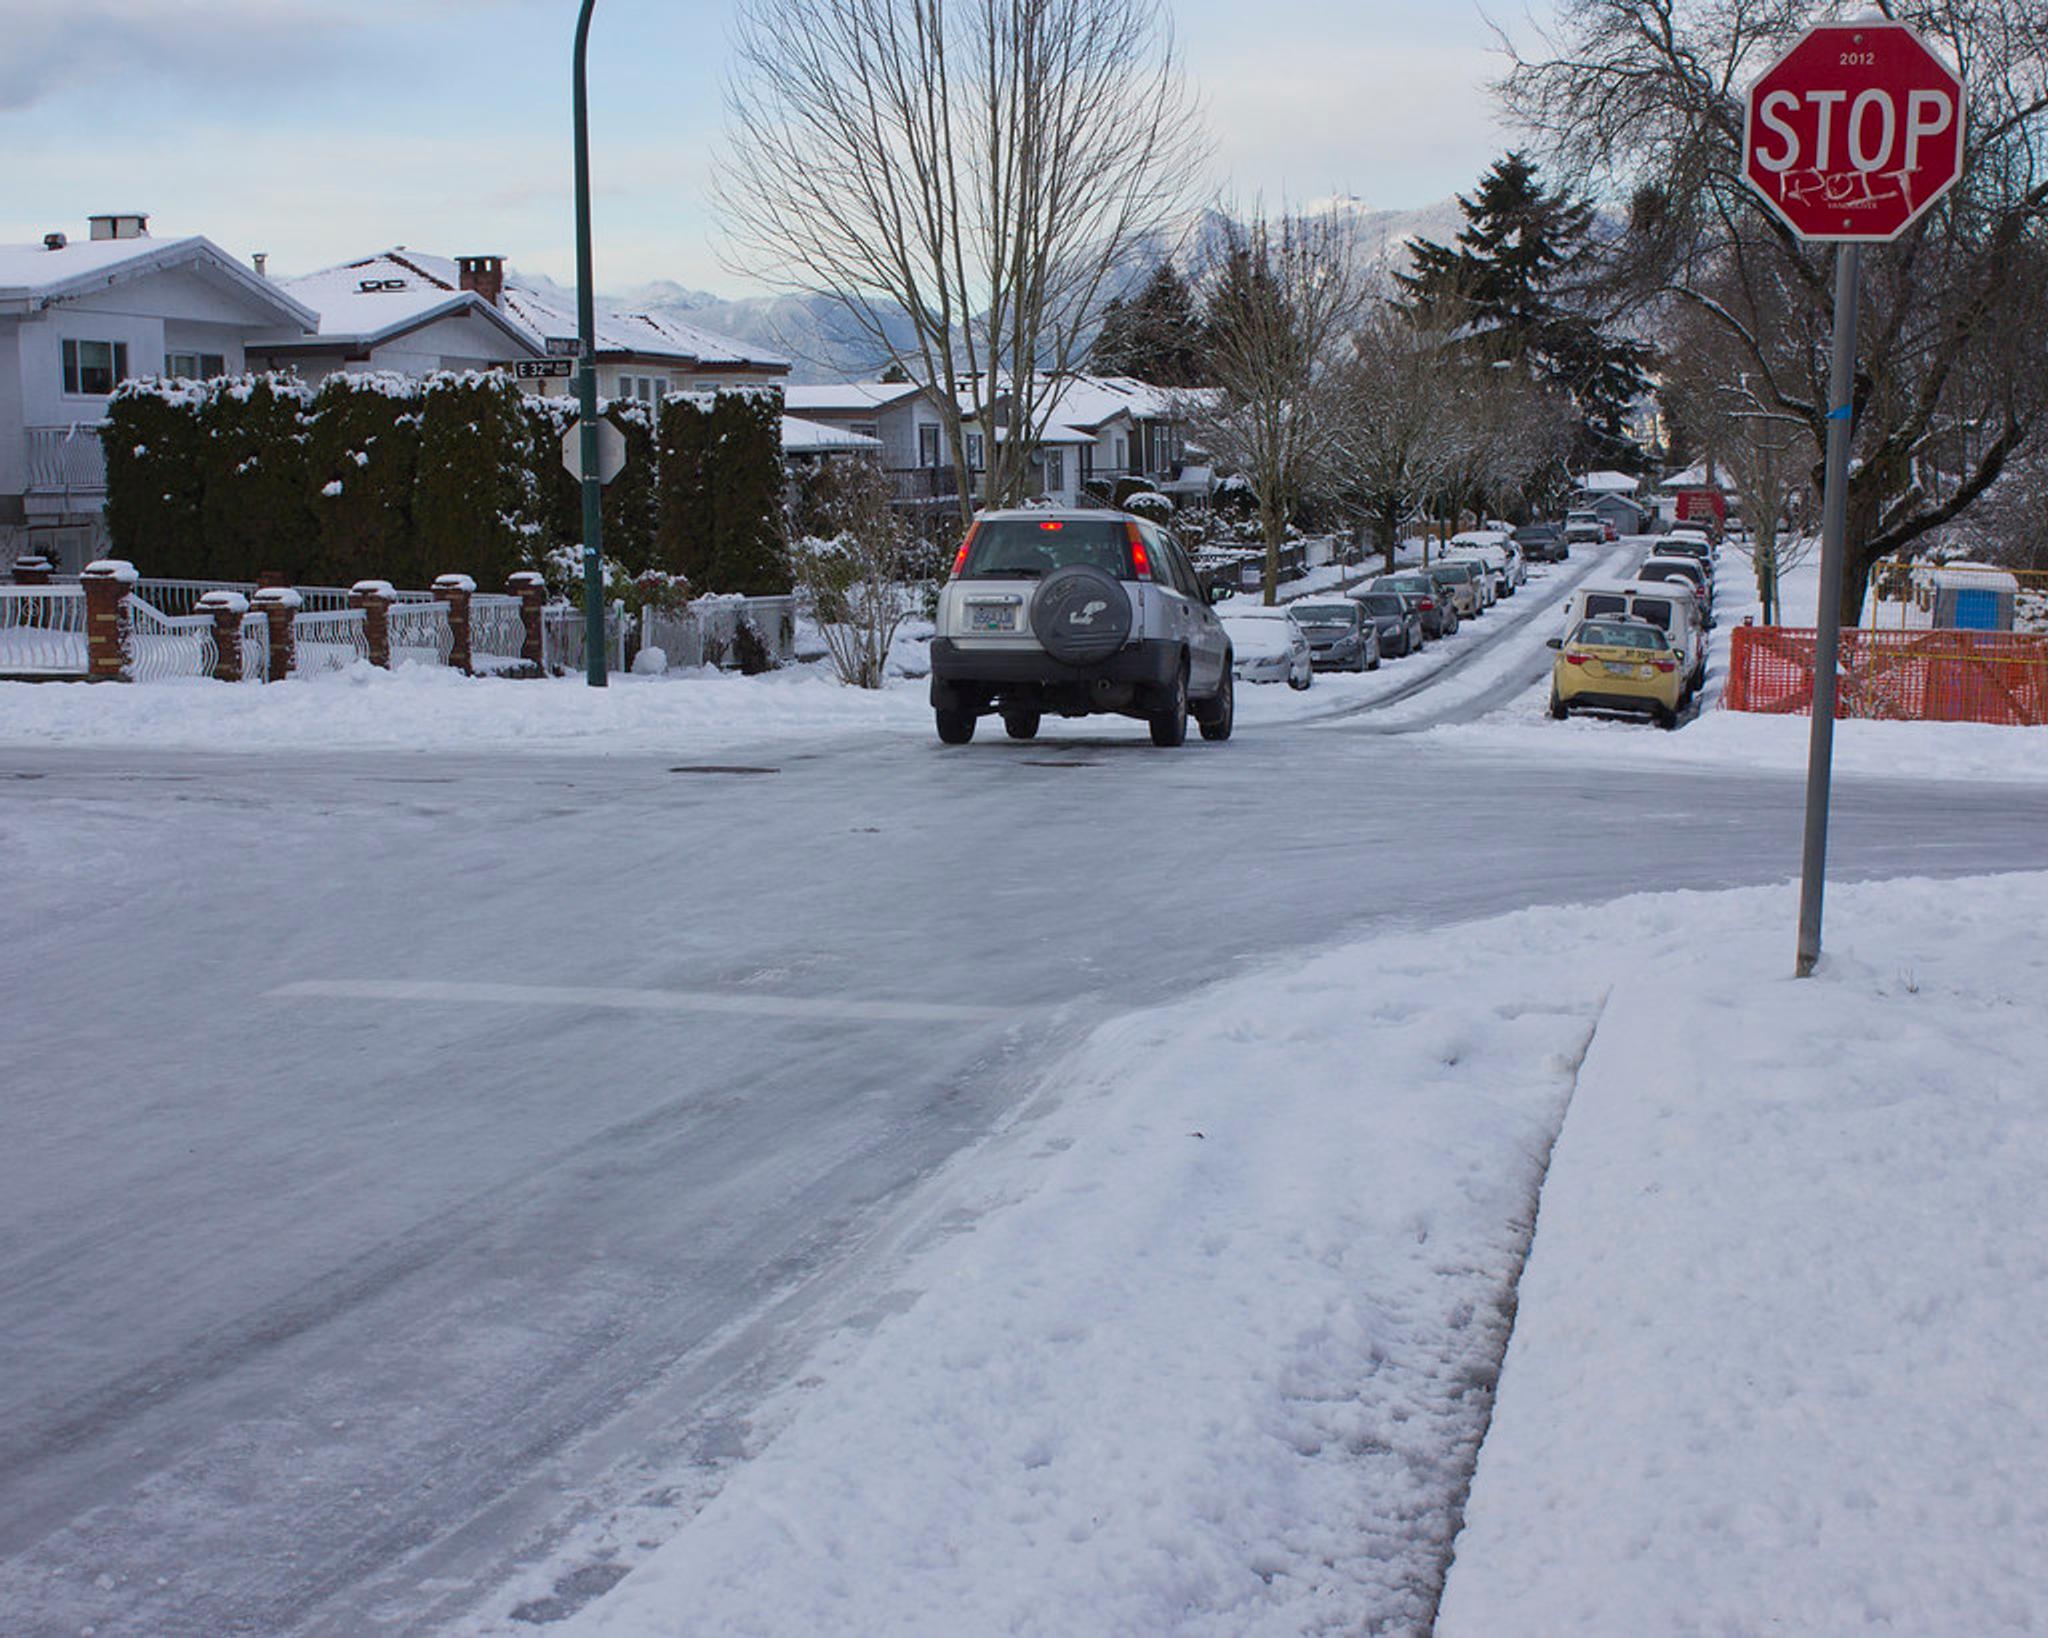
[1685,546]
[1398,615]
[1617,664]
[1439,612]
[1497,551]
[1543,542]
[1340,635]
[1469,582]
[1077,611]
[1588,528]
[1671,609]
[1269,647]
[1689,570]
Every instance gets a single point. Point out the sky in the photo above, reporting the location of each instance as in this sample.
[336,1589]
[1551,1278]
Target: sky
[317,131]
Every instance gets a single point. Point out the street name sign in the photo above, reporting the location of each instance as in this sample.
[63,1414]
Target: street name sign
[543,369]
[1854,132]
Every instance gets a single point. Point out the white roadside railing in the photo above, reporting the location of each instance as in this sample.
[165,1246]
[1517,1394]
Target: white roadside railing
[420,633]
[169,645]
[497,632]
[707,630]
[42,631]
[562,632]
[328,640]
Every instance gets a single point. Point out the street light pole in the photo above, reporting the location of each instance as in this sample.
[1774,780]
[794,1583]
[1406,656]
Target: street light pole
[586,377]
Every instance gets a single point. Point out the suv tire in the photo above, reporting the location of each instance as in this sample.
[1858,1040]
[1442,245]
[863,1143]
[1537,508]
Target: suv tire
[1170,725]
[955,727]
[1220,714]
[1021,724]
[1080,615]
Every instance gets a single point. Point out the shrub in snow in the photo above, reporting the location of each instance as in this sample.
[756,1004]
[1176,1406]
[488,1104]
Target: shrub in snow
[363,433]
[256,508]
[682,495]
[628,500]
[476,495]
[720,483]
[851,582]
[1149,503]
[153,437]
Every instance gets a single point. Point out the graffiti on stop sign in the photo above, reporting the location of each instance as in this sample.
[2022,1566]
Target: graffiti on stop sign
[1855,131]
[1881,144]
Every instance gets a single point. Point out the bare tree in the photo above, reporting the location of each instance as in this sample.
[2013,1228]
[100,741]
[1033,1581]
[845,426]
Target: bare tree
[1281,307]
[986,166]
[1644,98]
[1397,431]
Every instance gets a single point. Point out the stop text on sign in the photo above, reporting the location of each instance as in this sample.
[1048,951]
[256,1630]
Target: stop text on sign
[1855,131]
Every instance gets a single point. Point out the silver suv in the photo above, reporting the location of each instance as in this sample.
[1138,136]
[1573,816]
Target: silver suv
[1077,612]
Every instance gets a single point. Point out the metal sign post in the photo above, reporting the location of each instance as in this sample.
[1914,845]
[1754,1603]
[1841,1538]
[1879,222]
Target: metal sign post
[1851,136]
[586,382]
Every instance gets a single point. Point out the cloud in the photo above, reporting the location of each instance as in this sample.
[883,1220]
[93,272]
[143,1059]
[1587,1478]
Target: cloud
[215,47]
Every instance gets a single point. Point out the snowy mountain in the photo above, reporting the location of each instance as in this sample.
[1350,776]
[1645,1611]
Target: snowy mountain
[824,344]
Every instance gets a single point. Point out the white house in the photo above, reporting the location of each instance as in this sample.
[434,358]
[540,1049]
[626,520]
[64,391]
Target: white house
[412,312]
[77,319]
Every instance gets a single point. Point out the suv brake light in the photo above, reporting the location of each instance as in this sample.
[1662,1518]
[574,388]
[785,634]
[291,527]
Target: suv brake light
[1141,561]
[960,557]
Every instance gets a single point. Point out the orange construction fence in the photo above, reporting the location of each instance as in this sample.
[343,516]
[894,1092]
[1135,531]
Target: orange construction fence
[1907,676]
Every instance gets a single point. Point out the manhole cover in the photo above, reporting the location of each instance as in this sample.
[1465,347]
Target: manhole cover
[1030,762]
[721,768]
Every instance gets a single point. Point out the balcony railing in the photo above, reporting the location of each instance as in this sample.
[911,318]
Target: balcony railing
[924,483]
[67,461]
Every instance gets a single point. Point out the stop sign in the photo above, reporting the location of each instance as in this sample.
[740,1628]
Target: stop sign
[1855,131]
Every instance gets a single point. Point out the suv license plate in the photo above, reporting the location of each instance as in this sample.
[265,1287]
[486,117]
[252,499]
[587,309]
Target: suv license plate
[990,617]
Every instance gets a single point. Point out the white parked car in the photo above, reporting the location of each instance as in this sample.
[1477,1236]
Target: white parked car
[1269,647]
[1496,550]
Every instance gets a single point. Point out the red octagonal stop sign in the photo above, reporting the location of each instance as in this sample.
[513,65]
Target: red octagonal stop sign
[1854,132]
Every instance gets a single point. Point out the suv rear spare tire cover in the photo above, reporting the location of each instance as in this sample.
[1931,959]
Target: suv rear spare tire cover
[1080,614]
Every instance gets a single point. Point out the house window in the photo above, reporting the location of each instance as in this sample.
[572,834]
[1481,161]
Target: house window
[1055,471]
[194,366]
[974,450]
[93,369]
[927,446]
[1123,453]
[657,389]
[864,429]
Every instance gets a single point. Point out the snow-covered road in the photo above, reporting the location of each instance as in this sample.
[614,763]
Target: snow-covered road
[394,1145]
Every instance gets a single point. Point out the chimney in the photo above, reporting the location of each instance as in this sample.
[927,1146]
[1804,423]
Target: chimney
[483,274]
[261,261]
[120,225]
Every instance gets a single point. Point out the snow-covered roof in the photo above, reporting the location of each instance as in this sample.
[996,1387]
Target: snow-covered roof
[1693,477]
[31,276]
[413,287]
[1610,483]
[847,397]
[802,437]
[1966,577]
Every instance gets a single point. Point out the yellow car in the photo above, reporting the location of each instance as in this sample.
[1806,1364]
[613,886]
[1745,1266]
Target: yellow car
[1614,664]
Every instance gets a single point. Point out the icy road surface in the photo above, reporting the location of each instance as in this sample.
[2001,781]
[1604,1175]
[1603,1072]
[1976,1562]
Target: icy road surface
[392,1145]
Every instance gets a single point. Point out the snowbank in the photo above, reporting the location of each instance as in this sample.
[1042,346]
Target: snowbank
[1202,1344]
[1778,1360]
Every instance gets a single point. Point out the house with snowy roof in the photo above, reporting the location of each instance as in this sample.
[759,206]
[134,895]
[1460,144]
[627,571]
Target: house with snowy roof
[79,318]
[413,312]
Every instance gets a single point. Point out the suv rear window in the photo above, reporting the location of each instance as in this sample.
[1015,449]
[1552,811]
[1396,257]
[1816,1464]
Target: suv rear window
[1653,609]
[1605,603]
[1030,548]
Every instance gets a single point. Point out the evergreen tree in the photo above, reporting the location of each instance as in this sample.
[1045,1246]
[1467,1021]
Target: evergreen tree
[682,498]
[748,552]
[1505,282]
[628,509]
[1156,336]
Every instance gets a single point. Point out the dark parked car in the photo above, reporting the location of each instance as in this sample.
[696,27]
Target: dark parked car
[1543,542]
[1399,617]
[1439,613]
[1340,635]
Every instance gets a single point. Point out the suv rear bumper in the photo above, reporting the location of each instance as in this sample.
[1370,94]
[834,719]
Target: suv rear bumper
[1150,664]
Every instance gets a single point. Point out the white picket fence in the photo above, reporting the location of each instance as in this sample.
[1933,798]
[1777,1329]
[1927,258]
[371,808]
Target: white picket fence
[42,631]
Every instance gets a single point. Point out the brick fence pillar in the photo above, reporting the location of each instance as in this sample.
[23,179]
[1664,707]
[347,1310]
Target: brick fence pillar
[109,632]
[456,590]
[531,588]
[31,569]
[227,609]
[374,598]
[280,605]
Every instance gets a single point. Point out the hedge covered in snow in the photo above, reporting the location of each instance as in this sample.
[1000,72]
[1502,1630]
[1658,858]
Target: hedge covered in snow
[390,477]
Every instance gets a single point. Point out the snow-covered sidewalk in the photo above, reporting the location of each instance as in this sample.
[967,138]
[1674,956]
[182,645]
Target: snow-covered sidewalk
[1202,1343]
